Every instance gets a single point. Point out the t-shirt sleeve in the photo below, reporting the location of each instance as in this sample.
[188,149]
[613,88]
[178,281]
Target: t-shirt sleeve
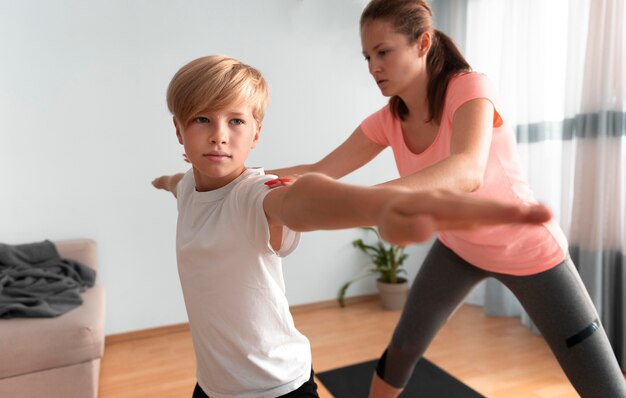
[471,86]
[376,125]
[184,188]
[250,195]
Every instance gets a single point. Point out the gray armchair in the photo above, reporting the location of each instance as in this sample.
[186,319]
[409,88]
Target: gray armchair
[56,357]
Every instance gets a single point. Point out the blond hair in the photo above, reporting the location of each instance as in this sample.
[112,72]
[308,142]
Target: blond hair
[213,83]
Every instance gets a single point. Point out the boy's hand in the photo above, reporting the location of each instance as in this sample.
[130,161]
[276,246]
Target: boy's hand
[161,182]
[415,217]
[168,183]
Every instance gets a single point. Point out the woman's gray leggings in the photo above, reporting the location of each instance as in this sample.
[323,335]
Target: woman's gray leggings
[556,300]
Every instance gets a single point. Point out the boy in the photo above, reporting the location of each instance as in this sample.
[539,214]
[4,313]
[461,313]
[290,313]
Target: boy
[233,230]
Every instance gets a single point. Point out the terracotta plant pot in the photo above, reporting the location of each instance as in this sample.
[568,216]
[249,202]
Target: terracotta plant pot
[393,295]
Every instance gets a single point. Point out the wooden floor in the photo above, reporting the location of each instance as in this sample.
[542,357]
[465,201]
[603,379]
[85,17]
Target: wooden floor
[498,357]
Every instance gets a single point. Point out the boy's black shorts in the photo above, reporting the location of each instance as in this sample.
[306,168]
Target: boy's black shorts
[307,390]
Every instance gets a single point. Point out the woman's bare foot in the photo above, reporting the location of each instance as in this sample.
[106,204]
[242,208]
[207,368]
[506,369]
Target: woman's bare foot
[380,389]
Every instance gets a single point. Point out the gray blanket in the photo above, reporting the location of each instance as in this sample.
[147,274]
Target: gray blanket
[36,282]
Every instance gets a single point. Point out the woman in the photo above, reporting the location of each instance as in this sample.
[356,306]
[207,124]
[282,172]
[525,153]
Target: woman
[444,125]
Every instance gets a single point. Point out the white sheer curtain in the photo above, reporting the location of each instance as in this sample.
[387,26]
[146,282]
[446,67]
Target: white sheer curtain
[596,168]
[560,69]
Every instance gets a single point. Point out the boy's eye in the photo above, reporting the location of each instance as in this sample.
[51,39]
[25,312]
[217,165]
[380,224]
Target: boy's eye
[367,58]
[382,53]
[237,121]
[201,119]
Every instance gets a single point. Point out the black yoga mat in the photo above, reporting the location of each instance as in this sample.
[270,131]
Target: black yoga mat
[428,381]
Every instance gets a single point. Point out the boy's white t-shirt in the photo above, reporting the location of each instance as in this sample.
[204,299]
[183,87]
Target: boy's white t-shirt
[244,337]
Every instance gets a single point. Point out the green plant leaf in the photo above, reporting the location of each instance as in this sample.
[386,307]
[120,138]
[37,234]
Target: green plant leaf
[386,258]
[341,295]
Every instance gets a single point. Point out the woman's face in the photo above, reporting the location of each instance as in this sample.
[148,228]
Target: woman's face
[394,63]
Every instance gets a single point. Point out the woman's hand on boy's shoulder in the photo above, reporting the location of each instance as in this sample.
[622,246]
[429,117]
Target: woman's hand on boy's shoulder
[282,181]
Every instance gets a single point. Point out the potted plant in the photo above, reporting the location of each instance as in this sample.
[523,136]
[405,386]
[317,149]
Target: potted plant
[387,260]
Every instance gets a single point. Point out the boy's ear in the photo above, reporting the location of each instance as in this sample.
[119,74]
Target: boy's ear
[257,134]
[178,130]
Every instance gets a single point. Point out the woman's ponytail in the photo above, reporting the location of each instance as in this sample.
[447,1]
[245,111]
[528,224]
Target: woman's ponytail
[443,62]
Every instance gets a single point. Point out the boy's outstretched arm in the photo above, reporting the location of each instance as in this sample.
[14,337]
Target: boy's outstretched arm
[409,218]
[316,202]
[168,183]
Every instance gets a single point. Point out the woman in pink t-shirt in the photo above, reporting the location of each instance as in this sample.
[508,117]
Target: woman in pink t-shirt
[444,125]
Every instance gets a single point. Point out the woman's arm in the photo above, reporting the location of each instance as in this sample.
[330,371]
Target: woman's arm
[353,153]
[463,170]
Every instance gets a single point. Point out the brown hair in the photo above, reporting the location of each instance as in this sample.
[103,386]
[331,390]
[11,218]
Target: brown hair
[411,18]
[214,82]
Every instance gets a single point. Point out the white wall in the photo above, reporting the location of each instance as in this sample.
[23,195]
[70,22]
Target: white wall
[84,129]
